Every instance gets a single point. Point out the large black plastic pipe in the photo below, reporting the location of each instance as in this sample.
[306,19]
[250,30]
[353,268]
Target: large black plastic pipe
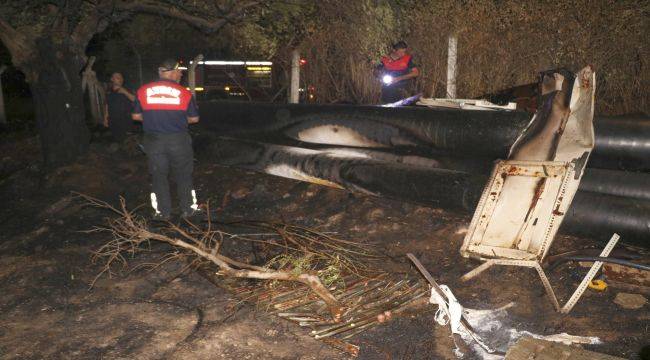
[591,214]
[635,185]
[432,186]
[621,142]
[453,134]
[471,132]
[598,216]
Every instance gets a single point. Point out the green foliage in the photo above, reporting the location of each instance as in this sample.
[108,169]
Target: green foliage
[380,29]
[252,41]
[331,274]
[273,28]
[263,32]
[327,269]
[52,19]
[501,43]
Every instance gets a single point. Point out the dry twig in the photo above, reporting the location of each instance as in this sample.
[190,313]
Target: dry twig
[130,234]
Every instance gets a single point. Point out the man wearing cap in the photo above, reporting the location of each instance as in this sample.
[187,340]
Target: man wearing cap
[397,72]
[166,108]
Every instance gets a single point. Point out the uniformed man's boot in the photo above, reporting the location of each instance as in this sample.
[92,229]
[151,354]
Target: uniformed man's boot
[194,214]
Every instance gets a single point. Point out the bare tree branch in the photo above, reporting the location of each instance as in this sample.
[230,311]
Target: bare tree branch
[19,45]
[100,14]
[130,232]
[167,10]
[104,12]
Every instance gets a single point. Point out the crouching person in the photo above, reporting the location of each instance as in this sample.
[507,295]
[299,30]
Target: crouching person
[166,108]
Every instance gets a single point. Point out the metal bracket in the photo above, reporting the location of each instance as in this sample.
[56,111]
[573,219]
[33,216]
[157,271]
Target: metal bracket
[505,225]
[542,275]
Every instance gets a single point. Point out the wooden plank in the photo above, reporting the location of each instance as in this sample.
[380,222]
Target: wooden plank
[528,348]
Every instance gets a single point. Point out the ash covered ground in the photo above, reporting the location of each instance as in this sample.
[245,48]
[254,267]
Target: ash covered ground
[48,309]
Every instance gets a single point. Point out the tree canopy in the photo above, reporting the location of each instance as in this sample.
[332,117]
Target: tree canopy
[47,41]
[500,43]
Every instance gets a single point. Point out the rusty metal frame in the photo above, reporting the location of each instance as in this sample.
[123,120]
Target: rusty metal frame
[568,306]
[525,200]
[554,178]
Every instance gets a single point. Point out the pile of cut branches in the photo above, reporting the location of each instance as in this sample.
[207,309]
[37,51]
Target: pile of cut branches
[301,255]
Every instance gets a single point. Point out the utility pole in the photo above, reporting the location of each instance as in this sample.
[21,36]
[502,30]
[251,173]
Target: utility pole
[192,73]
[294,91]
[452,53]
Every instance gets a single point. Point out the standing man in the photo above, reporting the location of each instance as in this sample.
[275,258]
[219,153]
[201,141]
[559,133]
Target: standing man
[396,71]
[166,108]
[119,103]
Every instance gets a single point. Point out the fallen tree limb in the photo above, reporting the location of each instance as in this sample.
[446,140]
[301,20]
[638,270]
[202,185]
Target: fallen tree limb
[130,232]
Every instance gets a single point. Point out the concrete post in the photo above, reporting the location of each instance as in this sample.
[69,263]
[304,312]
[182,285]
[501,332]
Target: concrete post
[191,81]
[294,91]
[451,66]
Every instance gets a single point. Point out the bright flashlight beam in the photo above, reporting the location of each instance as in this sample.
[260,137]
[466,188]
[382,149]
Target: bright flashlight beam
[387,79]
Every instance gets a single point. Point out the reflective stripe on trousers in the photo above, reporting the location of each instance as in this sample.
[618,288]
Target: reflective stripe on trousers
[170,153]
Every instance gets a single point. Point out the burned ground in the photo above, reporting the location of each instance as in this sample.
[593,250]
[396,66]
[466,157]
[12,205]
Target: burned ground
[48,310]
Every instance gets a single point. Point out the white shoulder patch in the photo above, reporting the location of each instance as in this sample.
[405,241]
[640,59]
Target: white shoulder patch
[162,94]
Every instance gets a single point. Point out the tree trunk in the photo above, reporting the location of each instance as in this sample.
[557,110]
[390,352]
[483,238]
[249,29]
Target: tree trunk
[58,101]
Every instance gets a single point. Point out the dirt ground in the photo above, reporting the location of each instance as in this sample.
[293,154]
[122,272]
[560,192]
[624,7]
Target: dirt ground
[48,310]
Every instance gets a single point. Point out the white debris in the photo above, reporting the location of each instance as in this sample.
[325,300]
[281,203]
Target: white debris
[451,312]
[492,335]
[563,338]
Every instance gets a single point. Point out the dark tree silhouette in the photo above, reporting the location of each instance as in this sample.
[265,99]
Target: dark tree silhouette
[47,41]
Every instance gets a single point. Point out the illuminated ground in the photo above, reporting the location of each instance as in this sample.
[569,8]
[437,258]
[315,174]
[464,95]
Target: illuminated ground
[48,311]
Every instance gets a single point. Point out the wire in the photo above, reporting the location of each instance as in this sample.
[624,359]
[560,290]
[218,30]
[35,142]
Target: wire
[616,253]
[603,259]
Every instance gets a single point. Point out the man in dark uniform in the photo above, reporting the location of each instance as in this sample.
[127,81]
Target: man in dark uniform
[119,103]
[396,71]
[166,108]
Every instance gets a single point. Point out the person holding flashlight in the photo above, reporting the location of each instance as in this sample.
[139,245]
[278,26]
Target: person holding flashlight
[396,72]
